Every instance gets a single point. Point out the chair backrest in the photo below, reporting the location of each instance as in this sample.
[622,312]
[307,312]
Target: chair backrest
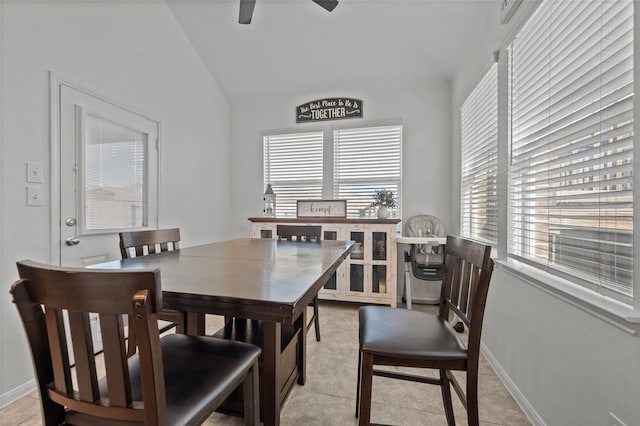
[299,233]
[46,294]
[468,269]
[148,242]
[424,225]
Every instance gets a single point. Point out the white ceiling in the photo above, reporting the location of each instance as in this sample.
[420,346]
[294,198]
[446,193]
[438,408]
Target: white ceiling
[295,47]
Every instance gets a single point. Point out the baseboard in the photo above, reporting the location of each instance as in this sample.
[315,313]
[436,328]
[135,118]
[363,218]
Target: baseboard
[17,393]
[520,399]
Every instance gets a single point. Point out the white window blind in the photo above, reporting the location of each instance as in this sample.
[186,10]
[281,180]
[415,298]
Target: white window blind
[365,160]
[293,167]
[115,176]
[571,199]
[479,129]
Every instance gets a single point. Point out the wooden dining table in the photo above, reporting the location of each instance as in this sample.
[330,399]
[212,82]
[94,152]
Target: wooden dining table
[262,287]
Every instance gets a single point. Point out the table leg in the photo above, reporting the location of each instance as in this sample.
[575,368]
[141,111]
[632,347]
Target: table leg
[195,324]
[301,324]
[270,377]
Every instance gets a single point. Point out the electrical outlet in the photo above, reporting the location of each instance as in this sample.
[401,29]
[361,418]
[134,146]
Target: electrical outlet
[614,420]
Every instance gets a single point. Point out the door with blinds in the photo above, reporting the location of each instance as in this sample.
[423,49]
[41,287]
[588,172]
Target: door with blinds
[108,175]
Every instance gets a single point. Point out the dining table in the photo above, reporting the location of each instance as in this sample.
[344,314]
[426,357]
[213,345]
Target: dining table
[262,287]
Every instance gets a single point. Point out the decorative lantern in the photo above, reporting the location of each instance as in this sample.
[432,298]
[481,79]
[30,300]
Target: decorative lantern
[269,199]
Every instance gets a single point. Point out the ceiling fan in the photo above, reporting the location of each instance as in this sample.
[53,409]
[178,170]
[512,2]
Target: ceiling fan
[246,8]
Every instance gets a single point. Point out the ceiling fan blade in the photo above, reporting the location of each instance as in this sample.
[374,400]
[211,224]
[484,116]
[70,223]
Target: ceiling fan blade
[246,11]
[327,4]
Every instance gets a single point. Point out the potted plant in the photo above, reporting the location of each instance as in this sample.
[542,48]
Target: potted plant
[384,200]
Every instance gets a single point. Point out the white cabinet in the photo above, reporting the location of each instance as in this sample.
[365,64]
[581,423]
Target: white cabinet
[368,275]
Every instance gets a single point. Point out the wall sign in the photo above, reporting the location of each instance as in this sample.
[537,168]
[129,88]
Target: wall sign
[329,109]
[321,208]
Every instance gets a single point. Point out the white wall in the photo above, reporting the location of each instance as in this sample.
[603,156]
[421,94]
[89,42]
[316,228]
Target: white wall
[425,115]
[131,52]
[564,365]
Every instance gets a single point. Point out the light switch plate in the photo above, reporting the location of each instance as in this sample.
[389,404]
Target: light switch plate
[34,172]
[34,195]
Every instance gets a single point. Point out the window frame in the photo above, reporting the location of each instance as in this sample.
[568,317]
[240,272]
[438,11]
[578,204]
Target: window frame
[625,315]
[482,139]
[277,185]
[371,185]
[149,173]
[329,162]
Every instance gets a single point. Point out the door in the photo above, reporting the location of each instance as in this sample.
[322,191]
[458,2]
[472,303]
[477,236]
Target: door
[108,175]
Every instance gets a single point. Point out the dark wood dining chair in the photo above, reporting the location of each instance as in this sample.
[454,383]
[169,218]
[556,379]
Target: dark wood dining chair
[406,338]
[304,233]
[142,243]
[172,380]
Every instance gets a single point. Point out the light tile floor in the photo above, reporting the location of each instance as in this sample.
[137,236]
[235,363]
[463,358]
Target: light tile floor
[328,397]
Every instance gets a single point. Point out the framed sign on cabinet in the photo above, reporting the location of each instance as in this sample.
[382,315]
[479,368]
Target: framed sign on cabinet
[321,208]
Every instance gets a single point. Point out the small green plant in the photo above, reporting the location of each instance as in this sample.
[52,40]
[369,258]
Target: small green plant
[383,198]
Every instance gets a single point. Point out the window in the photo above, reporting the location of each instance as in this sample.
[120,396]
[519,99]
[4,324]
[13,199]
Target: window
[365,160]
[479,128]
[114,176]
[293,167]
[570,178]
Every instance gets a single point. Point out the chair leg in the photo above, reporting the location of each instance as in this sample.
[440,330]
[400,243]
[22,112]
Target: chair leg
[366,382]
[316,318]
[250,388]
[181,326]
[358,383]
[472,398]
[445,387]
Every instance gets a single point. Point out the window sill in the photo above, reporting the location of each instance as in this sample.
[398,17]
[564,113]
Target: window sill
[605,308]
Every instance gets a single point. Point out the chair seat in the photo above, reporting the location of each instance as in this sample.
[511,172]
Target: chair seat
[407,334]
[197,371]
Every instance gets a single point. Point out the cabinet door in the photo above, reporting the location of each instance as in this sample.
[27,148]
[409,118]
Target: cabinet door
[332,287]
[356,271]
[264,230]
[379,263]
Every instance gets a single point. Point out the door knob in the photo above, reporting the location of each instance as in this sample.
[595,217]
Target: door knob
[71,221]
[72,241]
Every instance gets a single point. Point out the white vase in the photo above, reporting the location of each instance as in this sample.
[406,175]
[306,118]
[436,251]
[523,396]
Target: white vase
[383,212]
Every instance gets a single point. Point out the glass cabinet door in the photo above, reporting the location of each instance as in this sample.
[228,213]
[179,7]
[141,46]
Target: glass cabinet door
[332,232]
[358,248]
[379,279]
[329,234]
[356,278]
[379,246]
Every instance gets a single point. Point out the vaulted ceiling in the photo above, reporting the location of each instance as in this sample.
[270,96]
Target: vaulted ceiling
[295,47]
